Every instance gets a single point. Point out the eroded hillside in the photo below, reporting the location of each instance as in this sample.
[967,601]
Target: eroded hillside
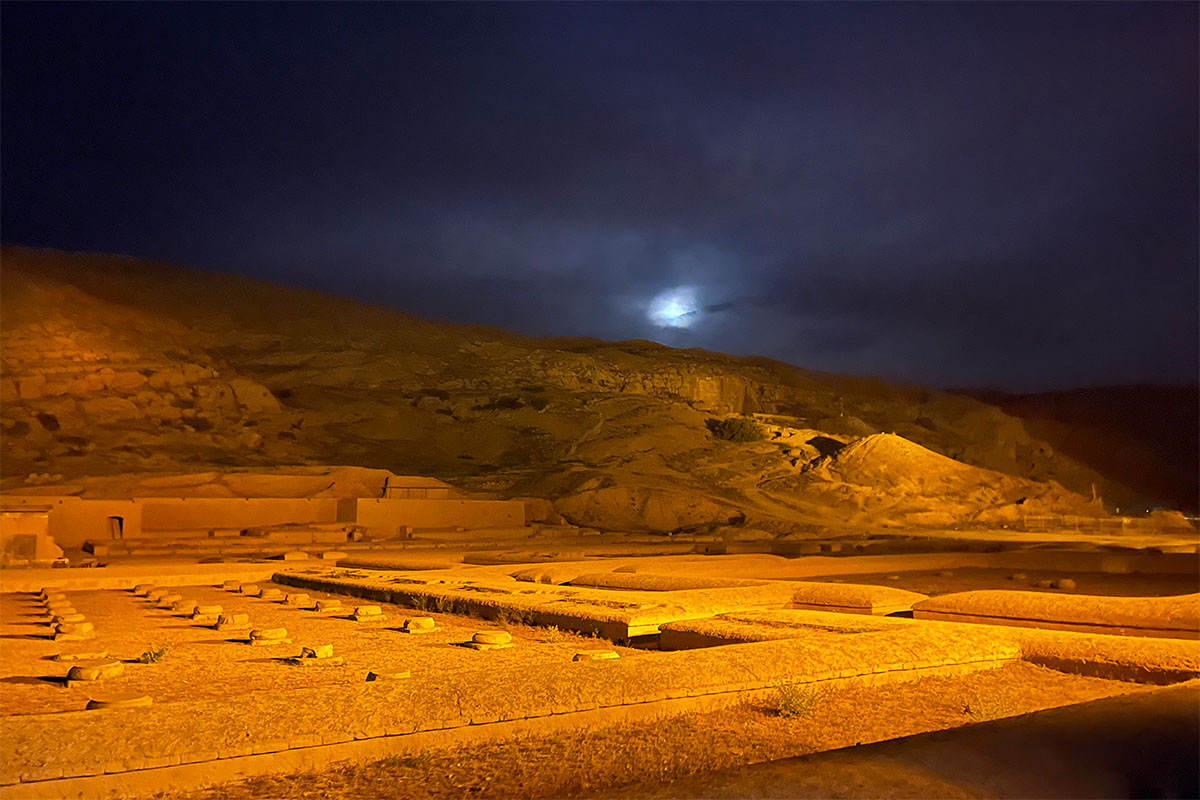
[112,365]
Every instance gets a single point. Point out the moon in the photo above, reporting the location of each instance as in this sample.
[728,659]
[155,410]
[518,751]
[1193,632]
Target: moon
[677,307]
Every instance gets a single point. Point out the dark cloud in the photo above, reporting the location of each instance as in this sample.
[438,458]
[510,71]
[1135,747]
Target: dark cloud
[1001,194]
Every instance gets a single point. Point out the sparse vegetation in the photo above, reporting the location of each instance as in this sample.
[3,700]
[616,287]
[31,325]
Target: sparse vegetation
[798,700]
[735,429]
[982,707]
[153,654]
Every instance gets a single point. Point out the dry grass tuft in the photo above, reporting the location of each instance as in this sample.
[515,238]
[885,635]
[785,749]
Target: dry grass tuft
[798,700]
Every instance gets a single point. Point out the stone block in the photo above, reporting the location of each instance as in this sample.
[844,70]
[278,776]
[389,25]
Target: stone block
[96,670]
[81,655]
[233,622]
[120,701]
[490,640]
[268,634]
[418,625]
[368,614]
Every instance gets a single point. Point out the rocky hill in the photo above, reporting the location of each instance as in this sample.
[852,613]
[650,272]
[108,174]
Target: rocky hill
[1146,437]
[112,365]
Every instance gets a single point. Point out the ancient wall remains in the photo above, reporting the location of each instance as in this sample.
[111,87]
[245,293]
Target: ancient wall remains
[382,517]
[189,513]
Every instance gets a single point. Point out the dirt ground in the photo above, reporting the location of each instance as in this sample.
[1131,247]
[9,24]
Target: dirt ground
[200,663]
[609,761]
[967,579]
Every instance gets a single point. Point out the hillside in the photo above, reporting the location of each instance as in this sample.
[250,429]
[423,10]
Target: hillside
[1146,437]
[112,365]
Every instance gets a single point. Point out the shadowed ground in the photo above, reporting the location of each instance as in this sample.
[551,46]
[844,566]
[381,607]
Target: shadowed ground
[1142,745]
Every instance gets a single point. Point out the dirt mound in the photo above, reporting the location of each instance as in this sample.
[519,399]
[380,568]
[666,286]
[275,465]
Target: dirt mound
[892,478]
[888,460]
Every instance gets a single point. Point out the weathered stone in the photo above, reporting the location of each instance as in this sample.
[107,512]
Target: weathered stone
[418,625]
[298,599]
[271,595]
[55,605]
[250,589]
[1066,584]
[73,616]
[96,670]
[295,555]
[333,555]
[254,397]
[329,605]
[74,627]
[233,622]
[596,655]
[1046,584]
[490,640]
[206,611]
[368,614]
[269,634]
[317,651]
[184,606]
[304,661]
[143,589]
[168,600]
[154,595]
[81,655]
[122,700]
[232,586]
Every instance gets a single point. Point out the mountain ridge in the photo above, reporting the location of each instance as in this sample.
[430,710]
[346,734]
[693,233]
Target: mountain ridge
[117,365]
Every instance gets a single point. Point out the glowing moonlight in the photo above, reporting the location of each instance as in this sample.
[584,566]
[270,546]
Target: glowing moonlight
[675,308]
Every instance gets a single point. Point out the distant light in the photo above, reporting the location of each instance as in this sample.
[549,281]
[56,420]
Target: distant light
[678,307]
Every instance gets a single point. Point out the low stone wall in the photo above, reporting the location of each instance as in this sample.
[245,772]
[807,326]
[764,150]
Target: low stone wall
[1177,617]
[852,598]
[384,516]
[1123,658]
[128,576]
[617,615]
[658,583]
[766,566]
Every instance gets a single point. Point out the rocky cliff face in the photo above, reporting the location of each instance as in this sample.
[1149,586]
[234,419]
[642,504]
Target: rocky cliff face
[112,365]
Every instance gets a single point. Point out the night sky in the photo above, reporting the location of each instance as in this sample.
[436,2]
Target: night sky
[950,194]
